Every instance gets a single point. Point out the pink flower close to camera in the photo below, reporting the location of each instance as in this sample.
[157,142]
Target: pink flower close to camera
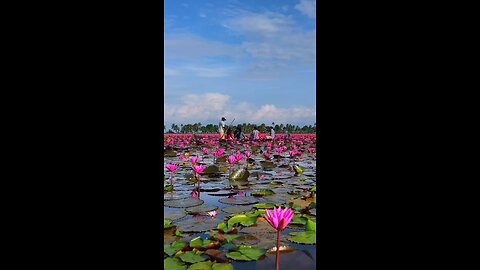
[231,159]
[171,167]
[194,159]
[238,157]
[198,168]
[279,219]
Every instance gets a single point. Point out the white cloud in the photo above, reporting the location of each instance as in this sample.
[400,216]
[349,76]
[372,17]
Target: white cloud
[308,7]
[170,72]
[187,46]
[210,72]
[261,24]
[210,107]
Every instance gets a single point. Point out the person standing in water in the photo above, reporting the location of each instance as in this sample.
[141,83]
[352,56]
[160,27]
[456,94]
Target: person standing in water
[221,128]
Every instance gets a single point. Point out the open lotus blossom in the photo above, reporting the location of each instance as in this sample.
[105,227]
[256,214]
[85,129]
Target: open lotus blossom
[212,213]
[279,220]
[220,151]
[180,158]
[292,153]
[205,150]
[171,167]
[241,193]
[279,150]
[231,159]
[194,159]
[248,154]
[194,194]
[238,157]
[198,168]
[267,155]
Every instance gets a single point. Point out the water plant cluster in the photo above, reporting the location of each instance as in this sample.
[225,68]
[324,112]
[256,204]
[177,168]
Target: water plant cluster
[239,204]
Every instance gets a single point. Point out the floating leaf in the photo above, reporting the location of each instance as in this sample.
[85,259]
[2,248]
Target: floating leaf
[267,164]
[264,205]
[198,242]
[246,253]
[187,202]
[200,209]
[310,226]
[192,256]
[239,200]
[211,169]
[246,239]
[222,266]
[239,175]
[167,188]
[167,223]
[307,237]
[262,192]
[297,219]
[298,169]
[173,264]
[234,209]
[169,153]
[244,220]
[170,249]
[201,266]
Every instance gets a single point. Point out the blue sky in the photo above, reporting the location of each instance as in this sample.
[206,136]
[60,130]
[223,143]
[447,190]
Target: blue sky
[249,60]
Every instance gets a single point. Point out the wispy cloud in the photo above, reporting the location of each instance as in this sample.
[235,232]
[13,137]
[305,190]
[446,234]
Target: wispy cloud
[189,46]
[308,7]
[210,72]
[211,106]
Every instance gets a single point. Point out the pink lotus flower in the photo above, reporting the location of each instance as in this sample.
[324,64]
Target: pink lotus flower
[267,155]
[291,153]
[212,213]
[238,157]
[220,151]
[171,167]
[194,159]
[205,150]
[241,193]
[279,150]
[194,194]
[248,154]
[181,158]
[198,168]
[231,159]
[279,219]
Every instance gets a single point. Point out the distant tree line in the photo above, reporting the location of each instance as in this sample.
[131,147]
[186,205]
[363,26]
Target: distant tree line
[247,128]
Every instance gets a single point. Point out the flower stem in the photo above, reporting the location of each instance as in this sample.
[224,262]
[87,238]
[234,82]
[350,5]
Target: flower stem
[277,260]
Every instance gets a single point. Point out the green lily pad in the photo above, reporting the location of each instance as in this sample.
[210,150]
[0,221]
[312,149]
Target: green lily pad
[193,256]
[194,224]
[198,242]
[222,266]
[167,188]
[235,209]
[201,266]
[173,215]
[246,239]
[297,219]
[167,223]
[239,175]
[307,237]
[183,203]
[244,220]
[211,169]
[169,153]
[170,249]
[173,264]
[298,169]
[239,200]
[246,253]
[267,164]
[311,226]
[262,192]
[200,209]
[264,205]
